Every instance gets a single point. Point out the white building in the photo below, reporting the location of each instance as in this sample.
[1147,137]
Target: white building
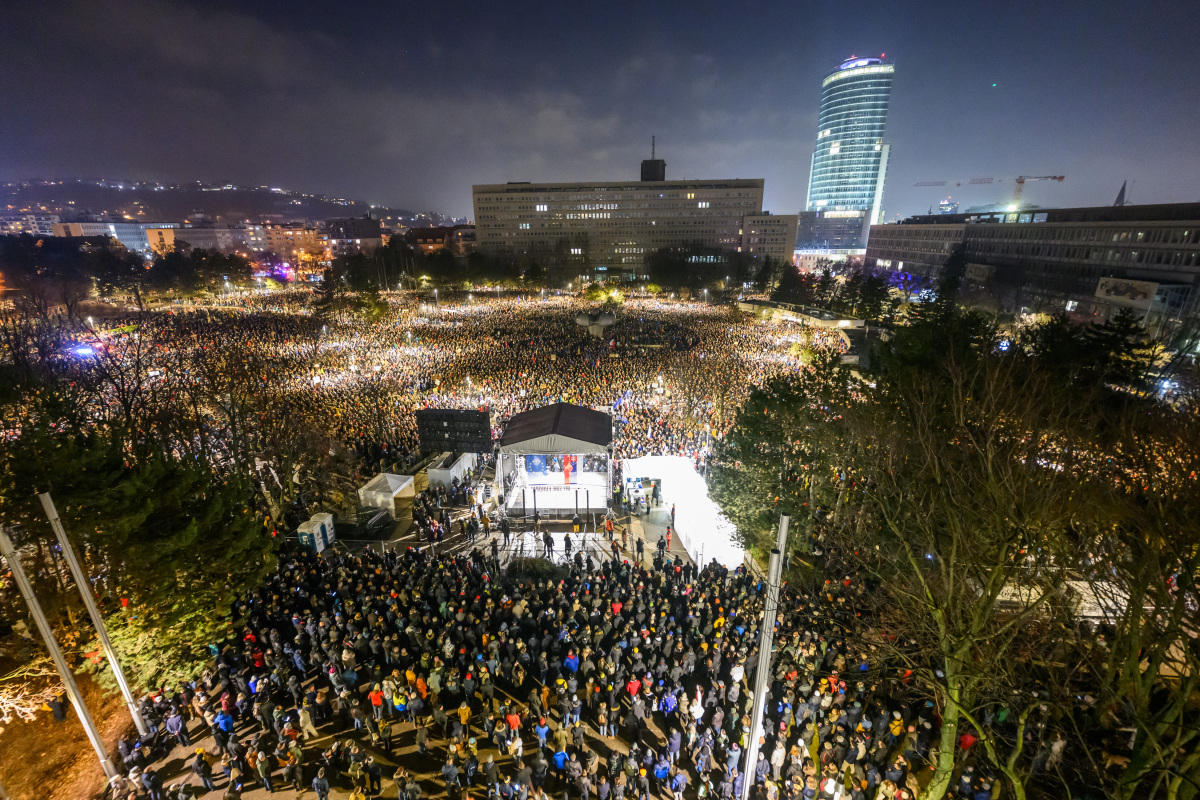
[130,234]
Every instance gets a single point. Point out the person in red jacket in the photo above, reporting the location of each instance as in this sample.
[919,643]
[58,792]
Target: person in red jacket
[377,699]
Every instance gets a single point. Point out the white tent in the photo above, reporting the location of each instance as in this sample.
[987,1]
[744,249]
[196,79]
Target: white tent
[702,529]
[382,491]
[442,472]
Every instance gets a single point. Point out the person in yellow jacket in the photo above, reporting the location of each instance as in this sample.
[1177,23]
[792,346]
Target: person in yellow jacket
[464,716]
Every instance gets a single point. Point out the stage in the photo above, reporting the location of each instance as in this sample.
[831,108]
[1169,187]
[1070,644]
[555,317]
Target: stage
[546,493]
[555,480]
[700,526]
[554,461]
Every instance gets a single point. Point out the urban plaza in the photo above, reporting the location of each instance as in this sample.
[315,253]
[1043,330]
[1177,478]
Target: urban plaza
[374,425]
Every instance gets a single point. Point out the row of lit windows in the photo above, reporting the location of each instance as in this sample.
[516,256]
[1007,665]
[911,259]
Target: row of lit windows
[692,218]
[1177,258]
[861,72]
[1151,236]
[610,196]
[741,206]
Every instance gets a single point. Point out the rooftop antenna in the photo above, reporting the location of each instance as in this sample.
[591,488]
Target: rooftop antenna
[651,148]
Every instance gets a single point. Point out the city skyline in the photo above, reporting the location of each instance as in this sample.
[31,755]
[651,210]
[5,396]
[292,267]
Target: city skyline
[369,106]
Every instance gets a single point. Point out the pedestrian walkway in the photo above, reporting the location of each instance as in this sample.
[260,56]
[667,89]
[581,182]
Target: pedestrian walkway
[650,527]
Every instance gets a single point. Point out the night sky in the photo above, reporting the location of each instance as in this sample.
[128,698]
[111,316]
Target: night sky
[409,104]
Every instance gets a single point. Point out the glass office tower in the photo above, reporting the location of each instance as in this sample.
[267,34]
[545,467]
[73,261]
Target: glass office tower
[845,184]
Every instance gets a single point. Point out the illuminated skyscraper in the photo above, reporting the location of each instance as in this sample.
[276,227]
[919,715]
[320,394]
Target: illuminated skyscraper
[849,163]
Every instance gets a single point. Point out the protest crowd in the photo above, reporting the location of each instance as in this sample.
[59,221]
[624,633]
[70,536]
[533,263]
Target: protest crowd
[407,675]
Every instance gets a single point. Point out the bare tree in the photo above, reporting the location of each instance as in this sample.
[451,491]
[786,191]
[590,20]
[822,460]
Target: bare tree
[1148,580]
[972,476]
[124,381]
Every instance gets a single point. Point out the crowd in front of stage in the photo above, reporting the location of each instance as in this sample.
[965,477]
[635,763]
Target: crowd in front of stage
[409,675]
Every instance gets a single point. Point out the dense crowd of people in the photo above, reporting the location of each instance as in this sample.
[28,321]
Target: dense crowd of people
[409,673]
[673,372]
[403,674]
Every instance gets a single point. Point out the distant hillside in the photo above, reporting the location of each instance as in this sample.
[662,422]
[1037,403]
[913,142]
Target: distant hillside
[153,202]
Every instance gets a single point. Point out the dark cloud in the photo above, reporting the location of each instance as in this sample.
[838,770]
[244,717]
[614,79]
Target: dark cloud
[405,104]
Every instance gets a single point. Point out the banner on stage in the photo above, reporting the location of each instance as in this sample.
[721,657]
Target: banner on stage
[543,465]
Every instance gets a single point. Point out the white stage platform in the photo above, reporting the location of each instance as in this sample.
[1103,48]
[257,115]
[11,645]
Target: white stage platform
[546,491]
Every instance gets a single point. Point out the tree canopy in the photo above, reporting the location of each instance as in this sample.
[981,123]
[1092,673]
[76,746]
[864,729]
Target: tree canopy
[989,504]
[173,544]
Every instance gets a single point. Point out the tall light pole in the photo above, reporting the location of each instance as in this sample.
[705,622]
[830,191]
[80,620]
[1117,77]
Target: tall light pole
[762,672]
[64,671]
[85,589]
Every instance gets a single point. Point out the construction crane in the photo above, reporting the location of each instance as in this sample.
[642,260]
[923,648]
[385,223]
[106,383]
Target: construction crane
[1019,181]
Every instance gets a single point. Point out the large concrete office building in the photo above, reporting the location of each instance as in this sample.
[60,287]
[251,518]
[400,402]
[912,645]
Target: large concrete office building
[849,161]
[1086,261]
[608,229]
[771,235]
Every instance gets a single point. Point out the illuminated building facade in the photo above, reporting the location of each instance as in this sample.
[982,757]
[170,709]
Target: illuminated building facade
[771,235]
[1085,261]
[849,162]
[198,237]
[131,234]
[297,243]
[33,224]
[608,229]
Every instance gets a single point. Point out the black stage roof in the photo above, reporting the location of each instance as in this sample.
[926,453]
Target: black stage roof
[556,429]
